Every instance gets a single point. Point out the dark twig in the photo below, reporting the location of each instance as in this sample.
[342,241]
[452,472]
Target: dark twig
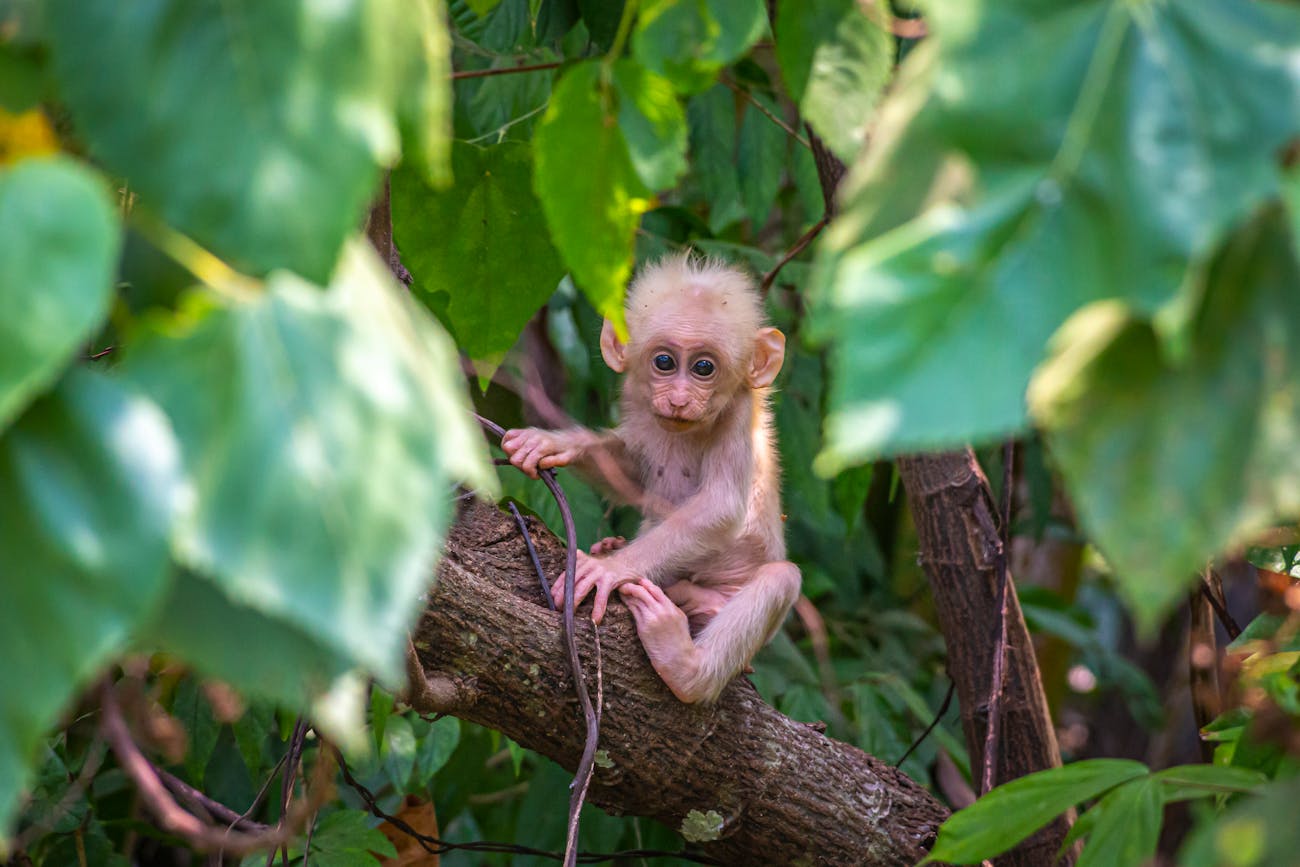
[436,846]
[804,240]
[934,723]
[158,800]
[1230,625]
[216,809]
[767,112]
[503,70]
[587,764]
[1000,647]
[532,555]
[290,773]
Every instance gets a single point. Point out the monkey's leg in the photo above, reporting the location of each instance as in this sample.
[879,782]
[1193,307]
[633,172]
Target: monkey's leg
[698,670]
[748,621]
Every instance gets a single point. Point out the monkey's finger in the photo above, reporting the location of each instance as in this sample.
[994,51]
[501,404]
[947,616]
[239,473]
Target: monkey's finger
[559,459]
[657,593]
[602,601]
[520,459]
[633,591]
[557,591]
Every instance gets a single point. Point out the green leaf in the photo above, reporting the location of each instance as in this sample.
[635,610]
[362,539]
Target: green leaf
[436,746]
[398,752]
[592,212]
[59,239]
[1258,831]
[688,41]
[1013,811]
[996,200]
[713,137]
[257,128]
[1198,781]
[482,241]
[1128,828]
[760,161]
[194,714]
[21,77]
[835,60]
[323,432]
[602,18]
[88,478]
[223,638]
[348,832]
[1208,446]
[653,124]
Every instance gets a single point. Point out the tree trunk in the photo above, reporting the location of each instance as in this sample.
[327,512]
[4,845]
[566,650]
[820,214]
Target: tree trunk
[952,507]
[957,528]
[746,783]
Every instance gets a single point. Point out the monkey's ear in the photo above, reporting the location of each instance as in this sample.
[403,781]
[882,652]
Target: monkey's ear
[769,355]
[612,349]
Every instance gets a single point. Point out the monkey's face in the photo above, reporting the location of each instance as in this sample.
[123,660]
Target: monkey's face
[685,383]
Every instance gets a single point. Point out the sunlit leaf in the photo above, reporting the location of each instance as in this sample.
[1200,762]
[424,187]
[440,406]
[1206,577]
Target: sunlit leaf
[1210,447]
[592,212]
[88,479]
[1036,158]
[257,128]
[59,238]
[653,124]
[688,41]
[835,60]
[482,241]
[323,431]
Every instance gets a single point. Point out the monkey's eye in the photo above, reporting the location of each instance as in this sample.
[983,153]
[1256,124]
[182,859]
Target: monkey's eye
[663,361]
[703,367]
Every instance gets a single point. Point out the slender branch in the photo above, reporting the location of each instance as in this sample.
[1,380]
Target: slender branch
[1000,648]
[798,247]
[504,70]
[1230,625]
[532,555]
[170,815]
[217,809]
[934,723]
[767,112]
[587,765]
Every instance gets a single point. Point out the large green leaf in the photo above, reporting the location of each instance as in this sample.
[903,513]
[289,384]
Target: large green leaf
[323,432]
[59,238]
[88,478]
[712,117]
[653,124]
[1128,827]
[588,186]
[258,128]
[690,40]
[835,60]
[482,241]
[1013,811]
[1036,158]
[1171,462]
[760,162]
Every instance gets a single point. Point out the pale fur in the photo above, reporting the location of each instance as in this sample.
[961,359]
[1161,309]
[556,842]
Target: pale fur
[711,494]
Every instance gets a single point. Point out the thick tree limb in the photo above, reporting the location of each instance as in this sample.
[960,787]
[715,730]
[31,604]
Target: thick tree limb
[957,530]
[758,787]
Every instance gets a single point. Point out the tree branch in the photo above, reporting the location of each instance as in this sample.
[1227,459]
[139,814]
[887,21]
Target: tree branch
[748,784]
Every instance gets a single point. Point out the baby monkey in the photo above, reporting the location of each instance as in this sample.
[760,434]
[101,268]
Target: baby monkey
[706,577]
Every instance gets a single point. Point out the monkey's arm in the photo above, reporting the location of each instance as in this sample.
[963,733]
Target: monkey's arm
[696,528]
[599,456]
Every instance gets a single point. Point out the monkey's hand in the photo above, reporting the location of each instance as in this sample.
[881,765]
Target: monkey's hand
[604,574]
[532,449]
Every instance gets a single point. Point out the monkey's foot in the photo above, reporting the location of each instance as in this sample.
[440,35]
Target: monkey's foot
[665,634]
[607,544]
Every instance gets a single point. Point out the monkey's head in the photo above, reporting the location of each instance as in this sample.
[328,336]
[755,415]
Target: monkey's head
[697,339]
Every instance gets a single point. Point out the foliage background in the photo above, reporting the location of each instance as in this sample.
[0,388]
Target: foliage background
[1069,223]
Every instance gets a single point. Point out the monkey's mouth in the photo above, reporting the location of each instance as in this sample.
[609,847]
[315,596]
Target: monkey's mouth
[673,423]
